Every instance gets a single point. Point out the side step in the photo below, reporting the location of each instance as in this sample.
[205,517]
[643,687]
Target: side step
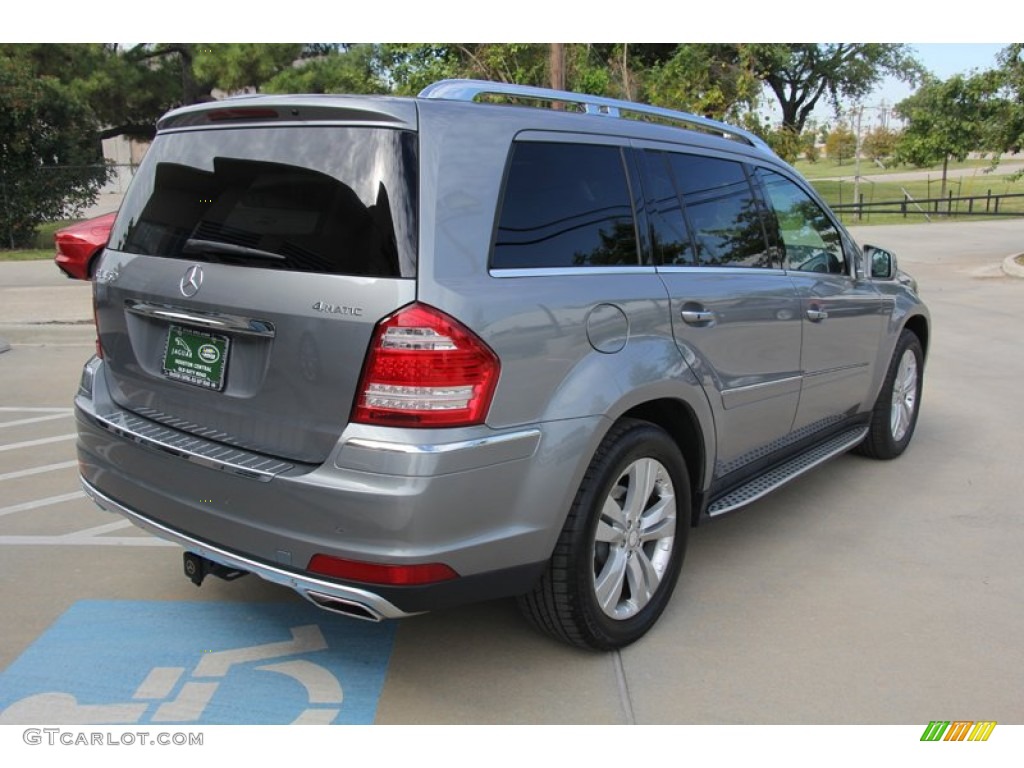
[782,474]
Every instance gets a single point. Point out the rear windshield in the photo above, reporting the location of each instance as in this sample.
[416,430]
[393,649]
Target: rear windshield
[335,200]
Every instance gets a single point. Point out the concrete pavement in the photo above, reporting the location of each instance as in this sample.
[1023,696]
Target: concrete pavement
[864,592]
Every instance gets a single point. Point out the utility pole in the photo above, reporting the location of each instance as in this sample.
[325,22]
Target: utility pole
[556,53]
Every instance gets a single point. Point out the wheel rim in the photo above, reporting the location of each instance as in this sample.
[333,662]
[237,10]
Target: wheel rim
[634,537]
[904,396]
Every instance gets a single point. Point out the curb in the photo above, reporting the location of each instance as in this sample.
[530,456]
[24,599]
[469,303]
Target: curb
[1011,267]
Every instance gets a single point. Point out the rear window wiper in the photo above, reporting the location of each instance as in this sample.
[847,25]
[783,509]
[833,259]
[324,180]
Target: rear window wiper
[195,245]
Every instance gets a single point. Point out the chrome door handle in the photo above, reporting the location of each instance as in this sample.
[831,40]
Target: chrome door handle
[816,315]
[697,316]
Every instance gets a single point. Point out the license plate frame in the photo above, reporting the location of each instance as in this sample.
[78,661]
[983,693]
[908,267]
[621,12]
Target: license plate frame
[195,357]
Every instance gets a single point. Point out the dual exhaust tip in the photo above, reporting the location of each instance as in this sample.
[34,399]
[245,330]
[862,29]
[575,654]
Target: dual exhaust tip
[198,568]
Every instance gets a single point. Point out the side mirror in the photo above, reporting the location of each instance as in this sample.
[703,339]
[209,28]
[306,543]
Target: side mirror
[883,262]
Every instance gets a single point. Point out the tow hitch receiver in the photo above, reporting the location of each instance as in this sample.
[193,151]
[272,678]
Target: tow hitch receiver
[198,568]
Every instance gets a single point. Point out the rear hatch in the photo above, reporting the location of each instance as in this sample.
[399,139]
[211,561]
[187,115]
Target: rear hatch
[253,255]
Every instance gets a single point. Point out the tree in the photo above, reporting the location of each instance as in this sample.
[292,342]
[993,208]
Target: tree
[711,79]
[880,142]
[840,143]
[946,119]
[801,74]
[1007,130]
[50,160]
[350,69]
[243,66]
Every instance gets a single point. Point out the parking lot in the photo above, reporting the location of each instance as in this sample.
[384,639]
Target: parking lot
[864,592]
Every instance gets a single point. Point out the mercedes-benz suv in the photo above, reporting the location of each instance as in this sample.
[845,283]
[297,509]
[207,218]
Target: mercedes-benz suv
[404,353]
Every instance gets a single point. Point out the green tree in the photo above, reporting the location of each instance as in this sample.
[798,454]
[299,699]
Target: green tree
[946,119]
[352,69]
[1006,131]
[880,142]
[50,160]
[711,79]
[840,143]
[243,66]
[802,74]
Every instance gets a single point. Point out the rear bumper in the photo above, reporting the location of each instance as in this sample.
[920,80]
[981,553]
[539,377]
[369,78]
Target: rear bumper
[377,607]
[487,503]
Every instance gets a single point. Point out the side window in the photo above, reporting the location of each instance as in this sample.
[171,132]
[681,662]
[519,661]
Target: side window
[723,212]
[809,239]
[565,205]
[670,238]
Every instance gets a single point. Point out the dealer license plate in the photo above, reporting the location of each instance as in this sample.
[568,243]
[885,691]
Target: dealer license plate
[196,357]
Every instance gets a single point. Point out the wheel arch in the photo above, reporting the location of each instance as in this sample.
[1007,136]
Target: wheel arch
[918,325]
[683,426]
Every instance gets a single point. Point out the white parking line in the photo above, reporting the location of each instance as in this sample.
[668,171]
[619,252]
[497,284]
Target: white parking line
[34,420]
[98,530]
[42,441]
[20,409]
[41,503]
[92,541]
[90,537]
[37,470]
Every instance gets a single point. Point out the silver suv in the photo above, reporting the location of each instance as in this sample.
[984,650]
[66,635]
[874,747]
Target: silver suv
[401,354]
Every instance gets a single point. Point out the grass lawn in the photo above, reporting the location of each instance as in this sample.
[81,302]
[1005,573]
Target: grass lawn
[43,244]
[839,192]
[830,169]
[26,255]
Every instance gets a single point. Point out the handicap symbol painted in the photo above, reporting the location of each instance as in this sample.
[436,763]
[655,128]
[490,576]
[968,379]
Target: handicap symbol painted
[114,662]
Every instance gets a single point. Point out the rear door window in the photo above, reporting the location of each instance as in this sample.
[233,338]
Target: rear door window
[565,205]
[724,215]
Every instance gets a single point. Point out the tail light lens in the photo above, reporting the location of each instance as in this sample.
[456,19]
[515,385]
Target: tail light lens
[425,369]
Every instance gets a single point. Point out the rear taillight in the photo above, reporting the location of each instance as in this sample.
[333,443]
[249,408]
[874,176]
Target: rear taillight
[425,369]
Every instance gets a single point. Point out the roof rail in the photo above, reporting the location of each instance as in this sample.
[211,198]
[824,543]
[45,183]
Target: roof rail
[468,90]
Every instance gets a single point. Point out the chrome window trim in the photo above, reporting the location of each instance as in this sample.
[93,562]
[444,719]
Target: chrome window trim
[679,269]
[570,271]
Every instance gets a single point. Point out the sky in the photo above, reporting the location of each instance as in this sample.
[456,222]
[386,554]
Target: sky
[943,60]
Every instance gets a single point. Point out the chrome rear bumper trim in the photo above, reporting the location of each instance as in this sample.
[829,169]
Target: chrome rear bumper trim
[311,588]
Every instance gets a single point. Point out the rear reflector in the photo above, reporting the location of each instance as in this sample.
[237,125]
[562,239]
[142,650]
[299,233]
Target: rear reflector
[426,369]
[375,573]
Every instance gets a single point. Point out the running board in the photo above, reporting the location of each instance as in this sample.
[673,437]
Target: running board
[782,474]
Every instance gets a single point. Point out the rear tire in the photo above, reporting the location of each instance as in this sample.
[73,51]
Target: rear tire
[895,413]
[618,557]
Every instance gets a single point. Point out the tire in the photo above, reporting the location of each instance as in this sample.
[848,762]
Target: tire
[894,416]
[618,556]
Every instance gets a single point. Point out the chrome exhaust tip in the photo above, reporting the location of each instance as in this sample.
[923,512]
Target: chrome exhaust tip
[348,608]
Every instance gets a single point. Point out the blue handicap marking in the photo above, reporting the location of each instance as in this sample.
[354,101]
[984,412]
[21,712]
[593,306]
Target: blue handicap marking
[127,662]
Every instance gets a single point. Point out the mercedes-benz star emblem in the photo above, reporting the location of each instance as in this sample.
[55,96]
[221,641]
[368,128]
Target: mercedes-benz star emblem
[191,281]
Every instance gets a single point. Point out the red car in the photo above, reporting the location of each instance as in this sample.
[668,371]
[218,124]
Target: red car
[79,245]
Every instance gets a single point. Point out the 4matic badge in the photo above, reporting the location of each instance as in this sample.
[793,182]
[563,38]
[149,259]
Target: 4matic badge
[337,309]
